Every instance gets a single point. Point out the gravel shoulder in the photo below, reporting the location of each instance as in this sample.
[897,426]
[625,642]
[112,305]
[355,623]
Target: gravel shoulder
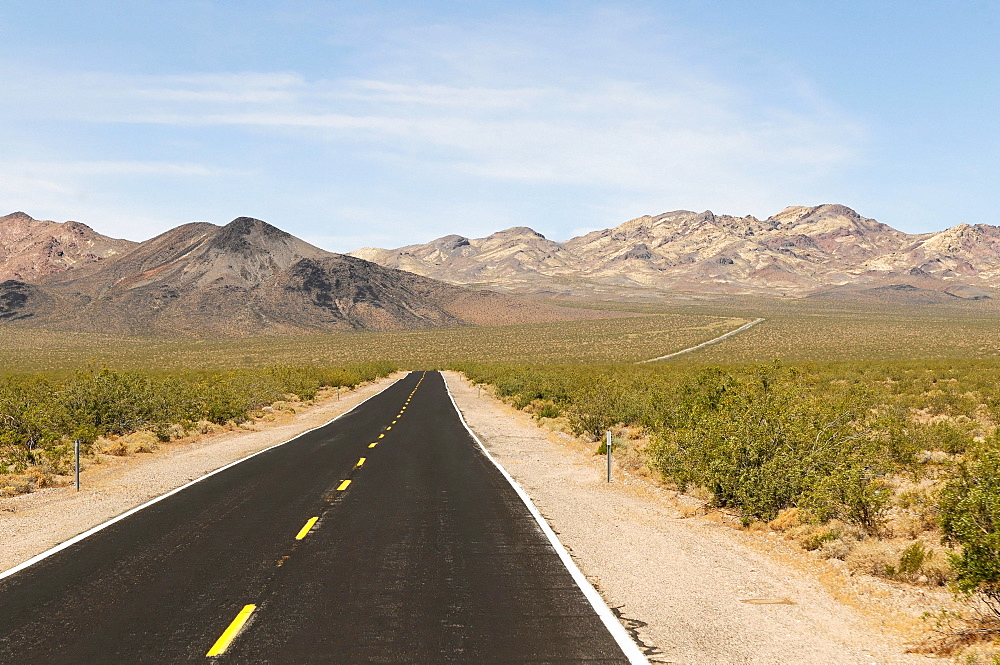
[690,589]
[32,523]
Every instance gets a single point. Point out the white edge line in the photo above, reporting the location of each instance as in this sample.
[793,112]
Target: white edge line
[618,632]
[745,326]
[89,532]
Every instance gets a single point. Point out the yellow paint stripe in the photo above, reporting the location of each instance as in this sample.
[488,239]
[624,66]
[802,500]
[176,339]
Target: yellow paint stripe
[388,428]
[361,462]
[305,529]
[381,436]
[343,485]
[372,445]
[395,421]
[230,633]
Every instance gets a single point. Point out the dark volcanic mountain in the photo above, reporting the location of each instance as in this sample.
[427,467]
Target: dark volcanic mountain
[247,277]
[828,250]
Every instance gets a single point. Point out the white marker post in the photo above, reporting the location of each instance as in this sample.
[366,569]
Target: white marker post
[76,450]
[607,448]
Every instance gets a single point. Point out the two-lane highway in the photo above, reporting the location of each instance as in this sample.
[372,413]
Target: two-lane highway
[386,536]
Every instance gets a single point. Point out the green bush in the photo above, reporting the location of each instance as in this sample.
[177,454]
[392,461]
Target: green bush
[40,416]
[764,437]
[912,558]
[970,517]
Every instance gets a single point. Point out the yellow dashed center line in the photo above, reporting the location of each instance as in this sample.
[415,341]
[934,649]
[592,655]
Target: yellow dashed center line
[234,628]
[305,529]
[230,633]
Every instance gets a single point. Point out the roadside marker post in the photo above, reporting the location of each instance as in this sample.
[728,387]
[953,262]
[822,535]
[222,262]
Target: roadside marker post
[607,448]
[76,451]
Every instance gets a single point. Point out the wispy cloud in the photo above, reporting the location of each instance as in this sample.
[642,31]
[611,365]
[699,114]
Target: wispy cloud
[112,168]
[614,134]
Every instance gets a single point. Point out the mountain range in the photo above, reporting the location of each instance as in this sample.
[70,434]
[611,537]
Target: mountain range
[244,278]
[248,277]
[823,251]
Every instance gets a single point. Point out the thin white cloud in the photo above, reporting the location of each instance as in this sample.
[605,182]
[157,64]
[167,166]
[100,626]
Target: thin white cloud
[112,168]
[616,134]
[440,95]
[239,88]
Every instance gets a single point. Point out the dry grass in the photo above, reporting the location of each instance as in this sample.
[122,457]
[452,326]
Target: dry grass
[803,330]
[626,339]
[794,330]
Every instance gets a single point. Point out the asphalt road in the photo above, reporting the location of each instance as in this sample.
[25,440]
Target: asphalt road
[427,556]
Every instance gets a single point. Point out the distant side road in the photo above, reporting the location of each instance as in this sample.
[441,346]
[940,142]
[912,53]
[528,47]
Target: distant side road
[745,326]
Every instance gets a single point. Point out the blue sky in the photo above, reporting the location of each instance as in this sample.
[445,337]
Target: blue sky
[388,123]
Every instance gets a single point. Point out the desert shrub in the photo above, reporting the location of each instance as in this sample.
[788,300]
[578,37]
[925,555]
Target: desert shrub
[548,410]
[949,436]
[40,416]
[874,557]
[816,539]
[912,558]
[765,441]
[970,517]
[852,493]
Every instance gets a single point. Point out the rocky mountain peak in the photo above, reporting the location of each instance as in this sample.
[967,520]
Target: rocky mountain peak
[517,231]
[452,242]
[832,219]
[18,216]
[242,229]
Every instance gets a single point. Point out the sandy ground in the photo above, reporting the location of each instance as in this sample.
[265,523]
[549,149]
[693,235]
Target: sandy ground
[32,523]
[689,589]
